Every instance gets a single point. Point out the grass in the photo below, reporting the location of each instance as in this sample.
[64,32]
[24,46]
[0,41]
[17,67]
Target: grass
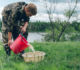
[59,56]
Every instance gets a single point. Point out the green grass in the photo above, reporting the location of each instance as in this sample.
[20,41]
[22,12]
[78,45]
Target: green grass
[59,56]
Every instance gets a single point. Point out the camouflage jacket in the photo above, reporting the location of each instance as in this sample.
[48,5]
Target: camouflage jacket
[14,15]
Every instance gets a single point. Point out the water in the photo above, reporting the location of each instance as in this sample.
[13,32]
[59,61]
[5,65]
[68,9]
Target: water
[36,36]
[31,47]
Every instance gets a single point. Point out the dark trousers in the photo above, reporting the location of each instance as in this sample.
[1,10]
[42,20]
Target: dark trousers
[15,34]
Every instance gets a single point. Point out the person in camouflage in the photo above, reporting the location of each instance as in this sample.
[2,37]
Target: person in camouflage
[15,19]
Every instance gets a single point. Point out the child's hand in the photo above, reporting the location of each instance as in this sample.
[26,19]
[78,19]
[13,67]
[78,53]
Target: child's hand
[10,42]
[23,29]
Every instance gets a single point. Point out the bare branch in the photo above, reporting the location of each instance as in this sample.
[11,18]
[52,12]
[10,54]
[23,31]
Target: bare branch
[65,26]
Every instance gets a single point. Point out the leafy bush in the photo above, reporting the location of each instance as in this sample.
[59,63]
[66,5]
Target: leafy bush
[72,32]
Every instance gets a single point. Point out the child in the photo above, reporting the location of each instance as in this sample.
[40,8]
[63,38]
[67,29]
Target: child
[15,19]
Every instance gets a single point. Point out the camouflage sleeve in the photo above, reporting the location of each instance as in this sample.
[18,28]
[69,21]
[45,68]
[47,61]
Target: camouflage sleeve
[10,24]
[11,15]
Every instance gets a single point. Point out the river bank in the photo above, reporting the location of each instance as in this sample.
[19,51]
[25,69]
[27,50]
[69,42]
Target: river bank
[32,36]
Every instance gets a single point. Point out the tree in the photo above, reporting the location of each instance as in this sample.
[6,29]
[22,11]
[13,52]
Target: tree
[50,10]
[69,13]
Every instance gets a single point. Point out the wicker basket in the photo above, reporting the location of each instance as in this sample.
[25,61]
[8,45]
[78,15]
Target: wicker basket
[33,56]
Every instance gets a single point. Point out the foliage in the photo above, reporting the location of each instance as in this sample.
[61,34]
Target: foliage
[71,33]
[38,26]
[68,12]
